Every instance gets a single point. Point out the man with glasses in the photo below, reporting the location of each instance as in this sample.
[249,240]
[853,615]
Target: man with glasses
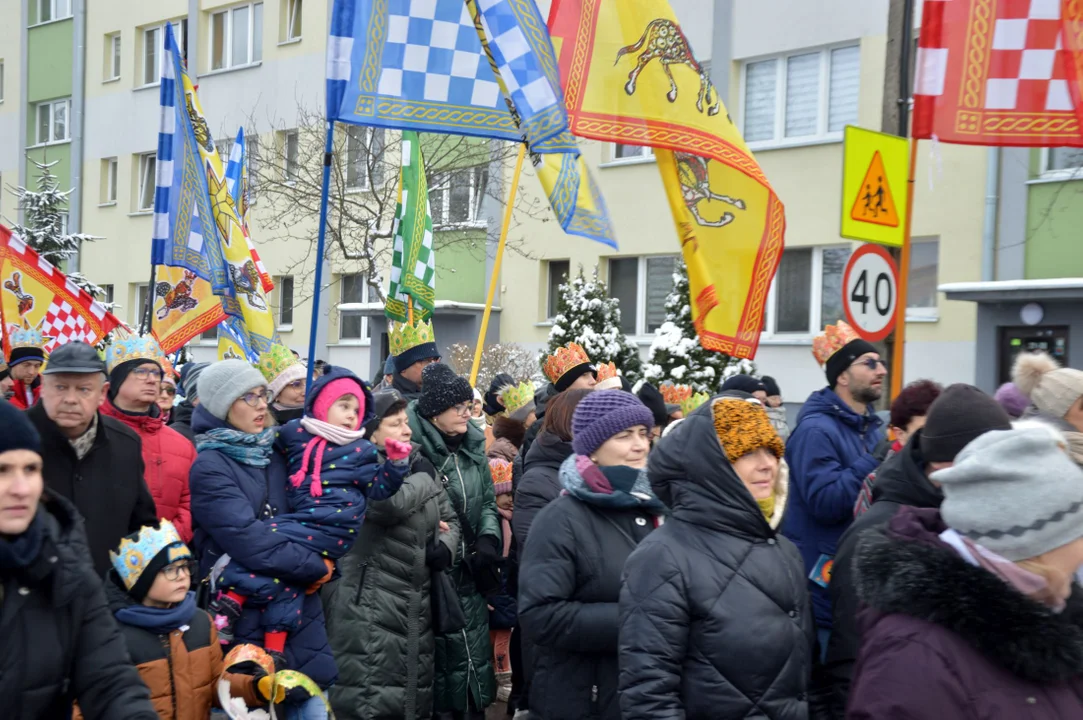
[91,459]
[830,452]
[135,367]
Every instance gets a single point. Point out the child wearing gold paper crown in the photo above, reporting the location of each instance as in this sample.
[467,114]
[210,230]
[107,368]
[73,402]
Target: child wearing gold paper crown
[172,643]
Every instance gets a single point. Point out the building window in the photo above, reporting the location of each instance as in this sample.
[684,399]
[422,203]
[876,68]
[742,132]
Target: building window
[623,152]
[49,10]
[807,290]
[140,308]
[284,296]
[1064,162]
[354,293]
[921,294]
[237,36]
[801,97]
[153,46]
[224,148]
[558,275]
[292,21]
[53,121]
[112,56]
[641,284]
[209,335]
[107,294]
[108,181]
[455,197]
[147,167]
[290,150]
[364,147]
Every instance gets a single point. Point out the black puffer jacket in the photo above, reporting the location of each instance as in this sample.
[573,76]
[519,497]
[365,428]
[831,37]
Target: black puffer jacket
[715,614]
[180,419]
[59,642]
[540,483]
[900,481]
[569,585]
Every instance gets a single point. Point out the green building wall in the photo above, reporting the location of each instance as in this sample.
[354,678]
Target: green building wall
[49,77]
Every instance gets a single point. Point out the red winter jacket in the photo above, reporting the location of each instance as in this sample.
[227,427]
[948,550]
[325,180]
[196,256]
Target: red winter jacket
[19,390]
[168,458]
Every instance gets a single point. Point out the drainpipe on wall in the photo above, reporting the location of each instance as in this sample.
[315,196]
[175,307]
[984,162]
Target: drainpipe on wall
[989,220]
[78,100]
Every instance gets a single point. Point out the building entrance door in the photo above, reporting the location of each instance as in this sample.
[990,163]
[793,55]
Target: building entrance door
[1015,340]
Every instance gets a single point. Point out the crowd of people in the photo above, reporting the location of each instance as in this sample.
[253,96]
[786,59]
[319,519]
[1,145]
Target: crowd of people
[228,538]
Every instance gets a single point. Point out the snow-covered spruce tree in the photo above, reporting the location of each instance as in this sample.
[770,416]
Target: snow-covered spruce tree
[587,315]
[676,355]
[44,230]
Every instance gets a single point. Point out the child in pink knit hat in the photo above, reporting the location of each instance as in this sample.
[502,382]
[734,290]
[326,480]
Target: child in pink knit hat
[333,472]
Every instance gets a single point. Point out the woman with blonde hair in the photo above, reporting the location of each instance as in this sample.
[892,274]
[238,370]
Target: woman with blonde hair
[972,609]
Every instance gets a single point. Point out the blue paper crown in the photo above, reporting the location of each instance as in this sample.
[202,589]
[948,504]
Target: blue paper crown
[138,549]
[27,337]
[133,348]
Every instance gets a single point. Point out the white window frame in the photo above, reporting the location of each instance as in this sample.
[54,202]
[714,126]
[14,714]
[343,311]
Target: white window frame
[52,105]
[288,164]
[113,57]
[294,11]
[779,139]
[368,140]
[925,314]
[645,156]
[55,7]
[1047,173]
[549,284]
[141,188]
[816,322]
[438,185]
[140,303]
[109,196]
[280,284]
[366,334]
[227,44]
[640,335]
[159,53]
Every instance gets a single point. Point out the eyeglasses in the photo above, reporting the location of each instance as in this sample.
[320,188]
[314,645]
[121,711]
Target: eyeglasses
[464,410]
[169,390]
[254,398]
[871,363]
[178,570]
[296,385]
[148,373]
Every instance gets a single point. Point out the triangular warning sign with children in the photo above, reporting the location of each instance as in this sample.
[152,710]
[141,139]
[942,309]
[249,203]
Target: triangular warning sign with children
[874,202]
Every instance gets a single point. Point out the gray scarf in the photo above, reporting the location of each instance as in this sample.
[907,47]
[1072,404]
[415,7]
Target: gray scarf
[84,442]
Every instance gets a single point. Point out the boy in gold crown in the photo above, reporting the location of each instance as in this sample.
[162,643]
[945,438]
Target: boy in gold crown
[413,347]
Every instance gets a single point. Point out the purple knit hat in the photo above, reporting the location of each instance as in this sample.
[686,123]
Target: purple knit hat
[601,415]
[1012,400]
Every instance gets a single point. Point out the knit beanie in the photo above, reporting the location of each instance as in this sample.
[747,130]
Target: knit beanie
[601,415]
[501,472]
[144,553]
[1015,492]
[960,414]
[1012,400]
[652,399]
[492,404]
[383,402]
[441,389]
[742,427]
[1051,388]
[744,383]
[332,391]
[845,356]
[189,380]
[389,365]
[19,433]
[22,354]
[771,386]
[121,372]
[223,382]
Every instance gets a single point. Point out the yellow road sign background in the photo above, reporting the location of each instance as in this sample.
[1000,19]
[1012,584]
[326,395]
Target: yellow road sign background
[874,186]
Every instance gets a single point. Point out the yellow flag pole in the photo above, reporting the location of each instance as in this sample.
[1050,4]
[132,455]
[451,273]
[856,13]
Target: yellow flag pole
[496,264]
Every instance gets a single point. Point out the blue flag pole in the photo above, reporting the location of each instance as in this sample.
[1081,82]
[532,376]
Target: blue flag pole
[320,242]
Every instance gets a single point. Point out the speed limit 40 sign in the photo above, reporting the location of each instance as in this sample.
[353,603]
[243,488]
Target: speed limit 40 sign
[870,292]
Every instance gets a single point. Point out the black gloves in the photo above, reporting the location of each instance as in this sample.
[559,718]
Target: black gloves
[437,556]
[487,548]
[297,696]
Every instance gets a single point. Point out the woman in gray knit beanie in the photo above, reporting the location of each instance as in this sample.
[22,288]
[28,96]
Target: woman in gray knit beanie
[1056,396]
[975,612]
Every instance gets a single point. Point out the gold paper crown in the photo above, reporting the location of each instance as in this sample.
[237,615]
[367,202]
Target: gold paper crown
[675,394]
[136,551]
[692,402]
[501,470]
[564,359]
[276,361]
[27,337]
[133,348]
[514,397]
[405,336]
[834,338]
[609,370]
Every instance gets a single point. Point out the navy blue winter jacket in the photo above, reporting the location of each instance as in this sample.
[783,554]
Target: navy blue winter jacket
[228,501]
[830,454]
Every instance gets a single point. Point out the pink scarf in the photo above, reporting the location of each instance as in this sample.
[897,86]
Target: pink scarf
[1030,584]
[505,527]
[324,433]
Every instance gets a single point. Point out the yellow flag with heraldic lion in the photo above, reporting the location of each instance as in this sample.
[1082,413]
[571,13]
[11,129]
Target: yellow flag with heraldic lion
[630,77]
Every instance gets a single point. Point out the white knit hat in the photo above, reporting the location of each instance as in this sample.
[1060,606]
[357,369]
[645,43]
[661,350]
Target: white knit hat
[1052,388]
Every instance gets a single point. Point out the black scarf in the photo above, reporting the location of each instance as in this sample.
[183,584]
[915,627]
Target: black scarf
[19,552]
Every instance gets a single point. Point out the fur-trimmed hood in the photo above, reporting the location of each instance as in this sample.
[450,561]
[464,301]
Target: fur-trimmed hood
[909,571]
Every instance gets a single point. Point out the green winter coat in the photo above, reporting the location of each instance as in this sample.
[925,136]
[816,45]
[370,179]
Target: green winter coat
[464,660]
[378,615]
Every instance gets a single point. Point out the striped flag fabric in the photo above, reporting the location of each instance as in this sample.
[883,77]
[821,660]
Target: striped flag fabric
[413,261]
[238,187]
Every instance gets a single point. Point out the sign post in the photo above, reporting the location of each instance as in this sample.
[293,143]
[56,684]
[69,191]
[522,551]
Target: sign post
[870,292]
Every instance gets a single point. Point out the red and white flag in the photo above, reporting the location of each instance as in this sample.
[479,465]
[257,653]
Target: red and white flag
[994,72]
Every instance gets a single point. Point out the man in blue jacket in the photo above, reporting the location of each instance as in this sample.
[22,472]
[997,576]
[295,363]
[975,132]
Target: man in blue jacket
[829,453]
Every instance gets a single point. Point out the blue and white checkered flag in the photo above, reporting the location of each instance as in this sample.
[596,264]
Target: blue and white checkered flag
[235,169]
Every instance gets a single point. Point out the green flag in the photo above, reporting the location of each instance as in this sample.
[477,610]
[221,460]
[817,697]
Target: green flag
[413,264]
